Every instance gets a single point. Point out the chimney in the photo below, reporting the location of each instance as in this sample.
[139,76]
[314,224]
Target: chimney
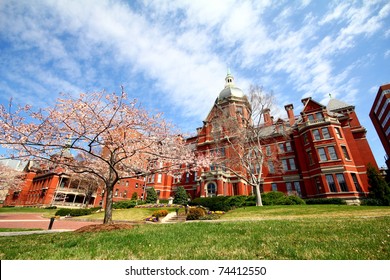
[267,117]
[290,113]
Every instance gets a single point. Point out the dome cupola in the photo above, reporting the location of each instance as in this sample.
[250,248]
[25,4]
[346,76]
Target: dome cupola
[230,89]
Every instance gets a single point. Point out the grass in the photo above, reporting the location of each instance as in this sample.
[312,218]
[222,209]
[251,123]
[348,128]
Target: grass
[306,211]
[47,213]
[18,229]
[288,232]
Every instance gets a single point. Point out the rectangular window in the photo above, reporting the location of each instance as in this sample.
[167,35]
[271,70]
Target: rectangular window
[284,163]
[297,187]
[331,183]
[281,148]
[356,182]
[310,117]
[159,178]
[274,187]
[292,164]
[136,185]
[322,154]
[288,147]
[342,183]
[195,175]
[332,153]
[316,134]
[345,152]
[378,104]
[318,184]
[386,119]
[305,138]
[268,150]
[325,133]
[187,177]
[257,168]
[310,156]
[338,132]
[271,168]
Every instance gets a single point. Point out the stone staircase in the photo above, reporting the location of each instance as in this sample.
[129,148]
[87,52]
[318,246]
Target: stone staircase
[173,218]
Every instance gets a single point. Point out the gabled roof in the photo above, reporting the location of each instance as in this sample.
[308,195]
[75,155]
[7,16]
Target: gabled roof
[335,105]
[311,105]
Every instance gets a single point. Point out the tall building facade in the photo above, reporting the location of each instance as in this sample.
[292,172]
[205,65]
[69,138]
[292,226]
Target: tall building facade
[380,117]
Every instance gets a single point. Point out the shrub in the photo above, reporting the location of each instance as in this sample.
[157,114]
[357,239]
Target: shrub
[294,200]
[160,213]
[124,204]
[151,195]
[237,201]
[337,201]
[134,196]
[371,202]
[378,188]
[250,201]
[273,198]
[181,196]
[195,213]
[73,212]
[216,203]
[51,207]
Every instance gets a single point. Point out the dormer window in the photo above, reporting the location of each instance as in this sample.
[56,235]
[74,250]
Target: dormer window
[319,116]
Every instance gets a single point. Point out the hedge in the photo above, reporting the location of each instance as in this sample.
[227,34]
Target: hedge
[76,212]
[226,203]
[338,201]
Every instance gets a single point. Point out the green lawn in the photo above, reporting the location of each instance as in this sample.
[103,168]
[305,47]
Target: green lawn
[277,232]
[306,211]
[45,212]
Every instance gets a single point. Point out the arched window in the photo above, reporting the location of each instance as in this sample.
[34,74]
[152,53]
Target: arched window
[211,189]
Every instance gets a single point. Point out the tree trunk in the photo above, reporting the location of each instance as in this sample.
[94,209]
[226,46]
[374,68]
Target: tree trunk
[108,209]
[259,201]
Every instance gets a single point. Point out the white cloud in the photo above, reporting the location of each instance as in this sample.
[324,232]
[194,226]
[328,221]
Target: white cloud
[182,48]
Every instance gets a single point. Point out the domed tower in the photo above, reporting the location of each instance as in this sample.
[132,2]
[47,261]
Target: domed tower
[230,110]
[233,101]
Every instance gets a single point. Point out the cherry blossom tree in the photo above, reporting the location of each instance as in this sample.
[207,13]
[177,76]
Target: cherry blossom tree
[106,135]
[10,179]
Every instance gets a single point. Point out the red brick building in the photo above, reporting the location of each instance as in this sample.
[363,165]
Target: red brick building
[322,152]
[380,117]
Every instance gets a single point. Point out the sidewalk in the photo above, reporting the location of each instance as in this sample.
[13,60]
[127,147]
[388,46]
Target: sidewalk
[36,221]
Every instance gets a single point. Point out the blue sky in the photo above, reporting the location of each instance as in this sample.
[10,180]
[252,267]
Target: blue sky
[173,55]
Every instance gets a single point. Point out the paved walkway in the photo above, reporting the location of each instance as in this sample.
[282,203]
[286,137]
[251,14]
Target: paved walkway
[36,221]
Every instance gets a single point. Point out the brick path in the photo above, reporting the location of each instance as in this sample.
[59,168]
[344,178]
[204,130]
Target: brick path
[29,220]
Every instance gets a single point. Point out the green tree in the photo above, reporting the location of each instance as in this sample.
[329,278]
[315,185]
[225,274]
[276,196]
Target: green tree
[378,188]
[134,196]
[151,195]
[181,196]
